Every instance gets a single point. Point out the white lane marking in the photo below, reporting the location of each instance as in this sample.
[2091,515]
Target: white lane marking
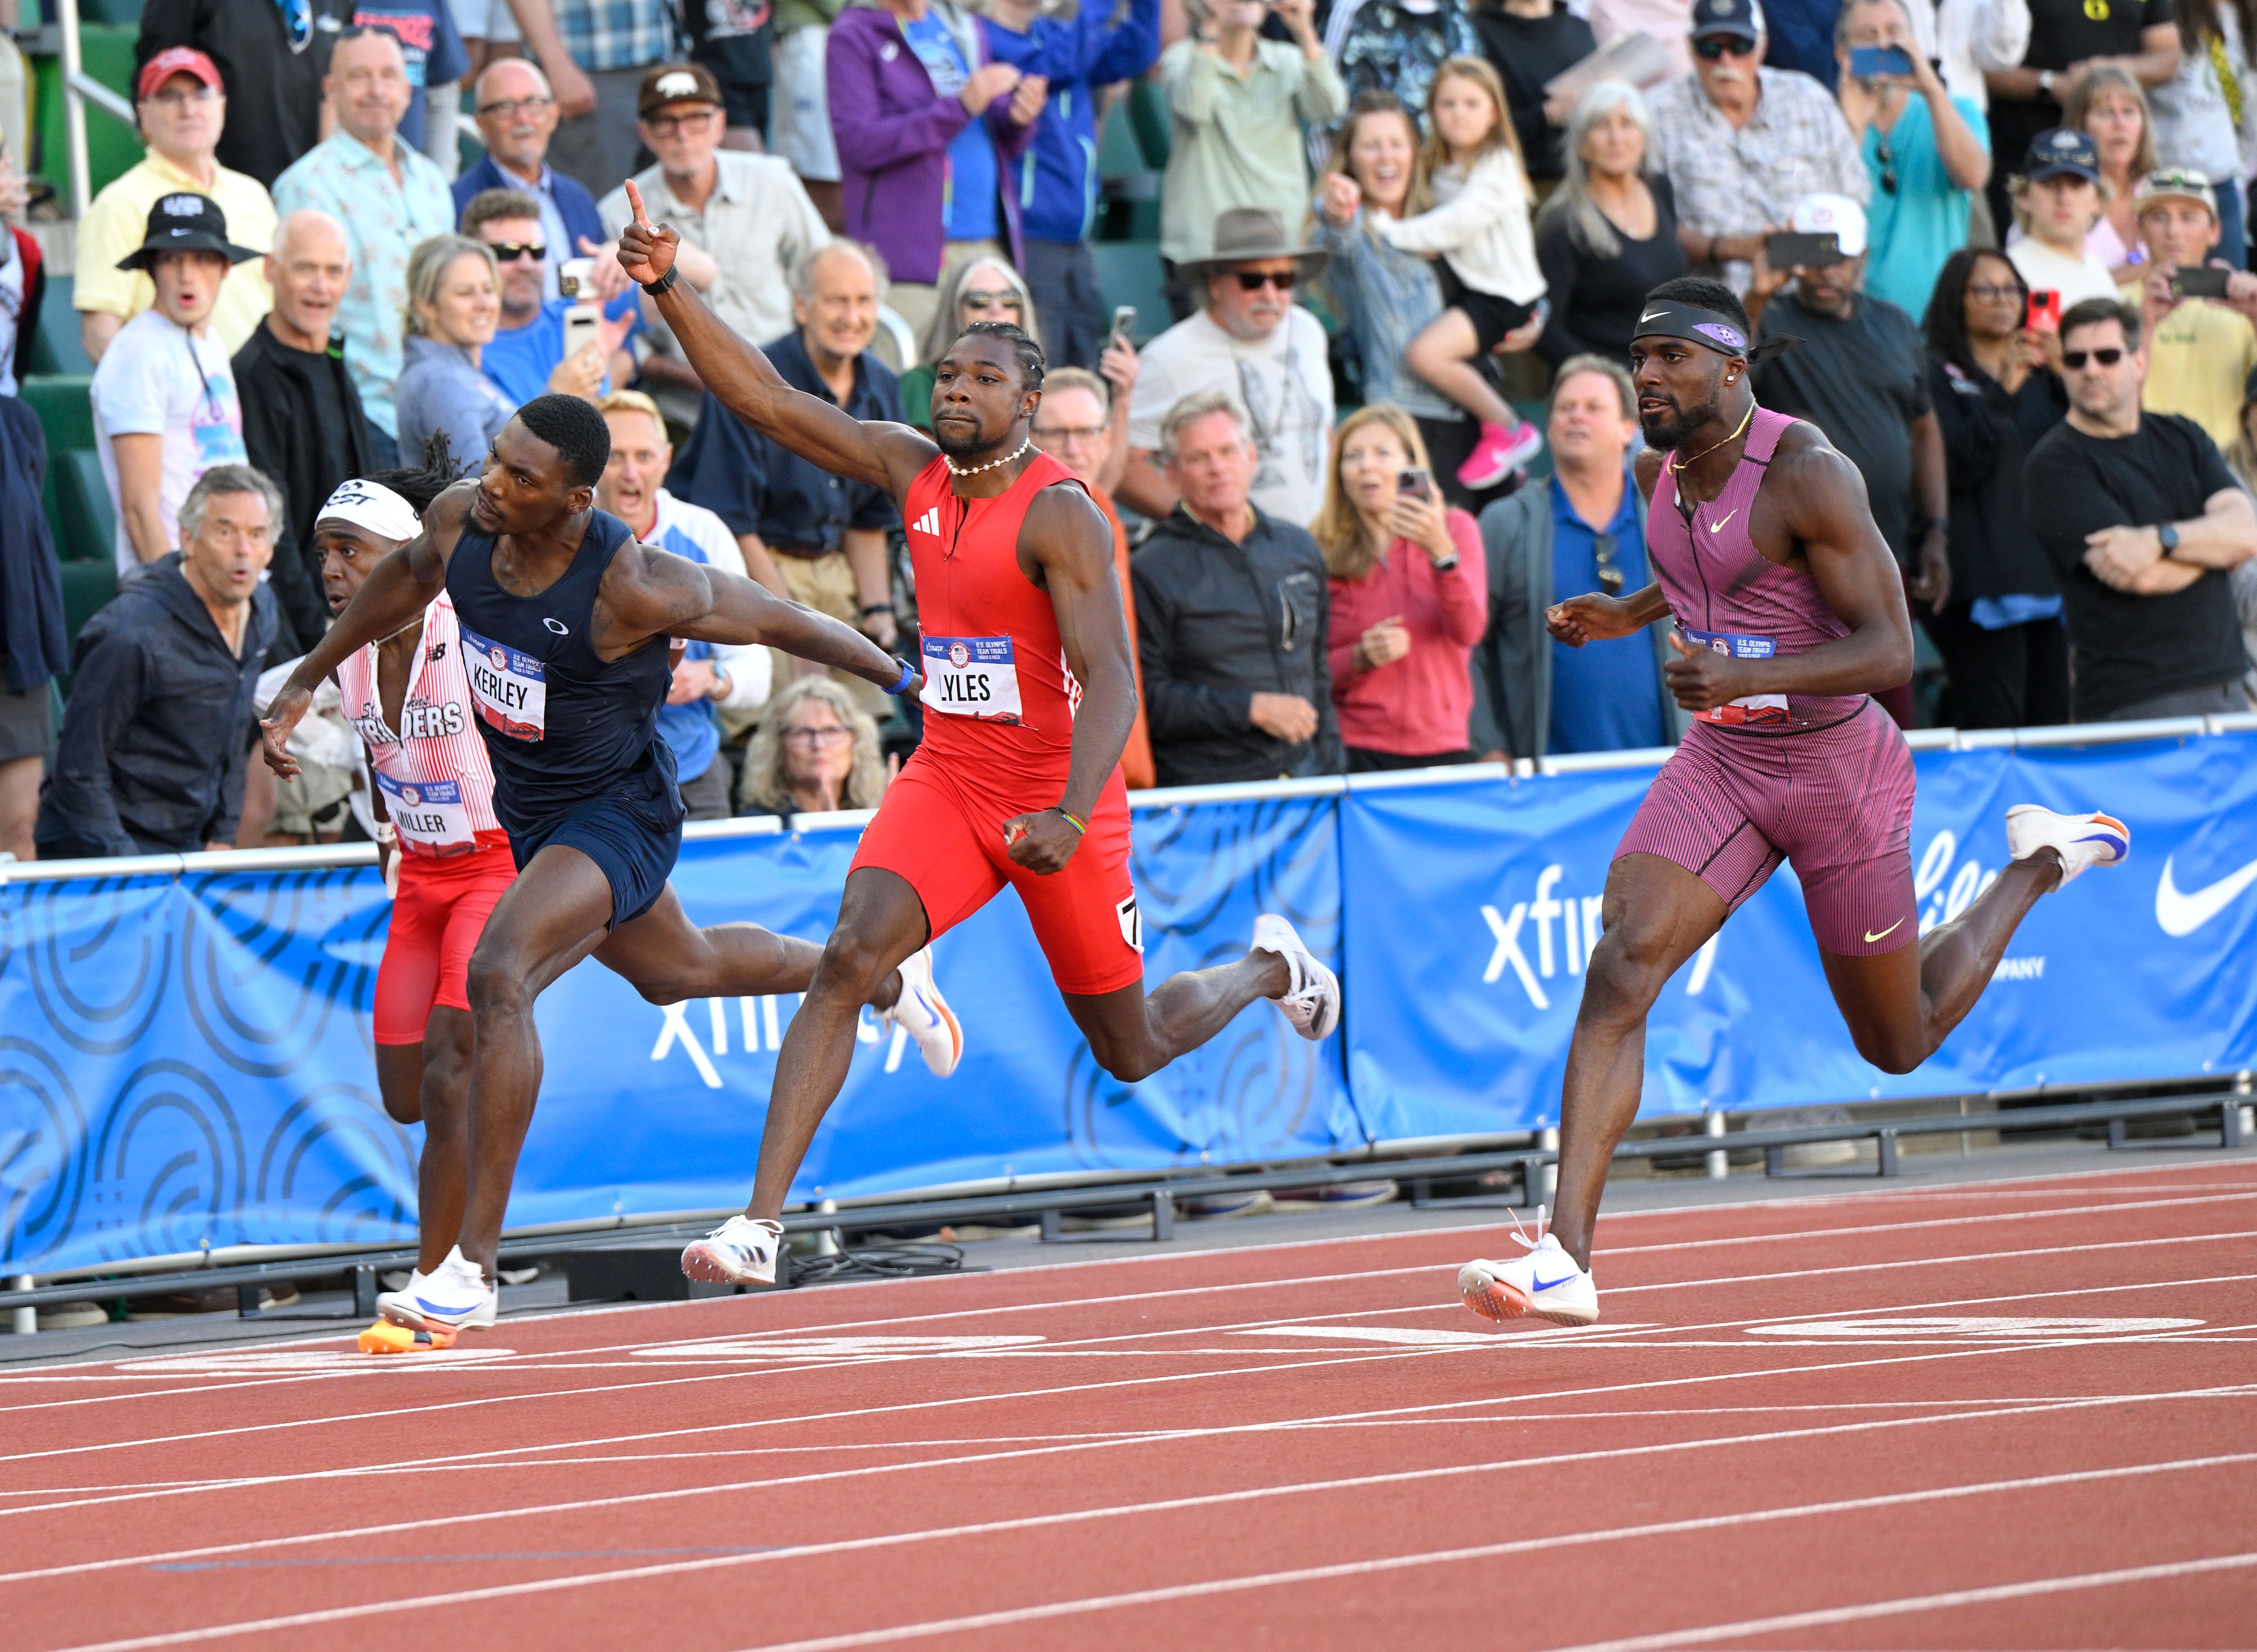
[1965,1327]
[762,1346]
[676,1494]
[829,1643]
[1905,1603]
[314,1360]
[1410,1338]
[510,1399]
[1494,1338]
[1613,1252]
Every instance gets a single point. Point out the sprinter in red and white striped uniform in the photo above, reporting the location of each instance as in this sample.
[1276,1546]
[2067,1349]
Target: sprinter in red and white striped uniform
[445,856]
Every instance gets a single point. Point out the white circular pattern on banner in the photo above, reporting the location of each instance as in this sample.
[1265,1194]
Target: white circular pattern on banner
[304,1362]
[1968,1328]
[798,1349]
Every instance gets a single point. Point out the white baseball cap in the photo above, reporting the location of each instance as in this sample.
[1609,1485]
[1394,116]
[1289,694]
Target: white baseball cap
[1836,215]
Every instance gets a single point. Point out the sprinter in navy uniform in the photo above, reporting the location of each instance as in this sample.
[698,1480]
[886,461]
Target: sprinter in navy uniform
[565,621]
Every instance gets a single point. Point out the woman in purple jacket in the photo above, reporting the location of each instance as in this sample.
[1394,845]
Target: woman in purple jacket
[927,128]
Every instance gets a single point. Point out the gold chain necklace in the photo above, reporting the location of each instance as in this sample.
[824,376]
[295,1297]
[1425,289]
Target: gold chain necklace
[1677,465]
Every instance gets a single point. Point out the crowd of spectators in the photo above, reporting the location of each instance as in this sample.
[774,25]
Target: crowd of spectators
[1386,230]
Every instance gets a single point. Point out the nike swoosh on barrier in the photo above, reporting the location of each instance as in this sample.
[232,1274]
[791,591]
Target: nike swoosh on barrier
[1871,937]
[2183,912]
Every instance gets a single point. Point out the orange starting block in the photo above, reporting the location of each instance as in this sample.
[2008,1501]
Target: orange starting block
[384,1336]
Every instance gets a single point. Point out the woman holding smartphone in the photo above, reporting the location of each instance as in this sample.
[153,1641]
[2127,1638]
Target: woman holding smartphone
[1410,598]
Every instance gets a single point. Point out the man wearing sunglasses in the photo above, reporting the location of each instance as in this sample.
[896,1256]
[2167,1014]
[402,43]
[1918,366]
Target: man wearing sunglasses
[1742,143]
[528,348]
[1789,614]
[1253,342]
[2141,519]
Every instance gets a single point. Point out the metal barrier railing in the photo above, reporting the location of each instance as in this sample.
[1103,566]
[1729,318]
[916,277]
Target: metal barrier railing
[80,88]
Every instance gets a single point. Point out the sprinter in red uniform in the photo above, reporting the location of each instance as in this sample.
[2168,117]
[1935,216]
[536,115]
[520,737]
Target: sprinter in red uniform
[1028,697]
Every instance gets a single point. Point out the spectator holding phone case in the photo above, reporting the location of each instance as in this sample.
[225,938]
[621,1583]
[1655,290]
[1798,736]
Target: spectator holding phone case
[1410,598]
[2195,311]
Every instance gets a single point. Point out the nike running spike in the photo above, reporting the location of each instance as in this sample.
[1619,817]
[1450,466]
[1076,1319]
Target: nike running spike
[924,1015]
[453,1295]
[2080,840]
[739,1252]
[1311,1002]
[1545,1284]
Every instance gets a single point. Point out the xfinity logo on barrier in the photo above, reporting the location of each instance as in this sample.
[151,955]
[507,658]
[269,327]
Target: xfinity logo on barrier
[760,1026]
[1530,923]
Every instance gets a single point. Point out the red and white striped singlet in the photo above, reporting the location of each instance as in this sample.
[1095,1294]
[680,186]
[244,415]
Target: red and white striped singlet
[432,771]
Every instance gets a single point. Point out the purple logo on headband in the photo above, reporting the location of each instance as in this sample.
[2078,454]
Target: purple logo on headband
[1727,336]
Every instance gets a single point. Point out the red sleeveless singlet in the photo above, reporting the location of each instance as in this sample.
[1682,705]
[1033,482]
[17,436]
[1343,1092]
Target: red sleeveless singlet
[997,695]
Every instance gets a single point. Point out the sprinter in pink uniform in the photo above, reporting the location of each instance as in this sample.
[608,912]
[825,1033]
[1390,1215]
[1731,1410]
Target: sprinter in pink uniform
[1790,614]
[445,856]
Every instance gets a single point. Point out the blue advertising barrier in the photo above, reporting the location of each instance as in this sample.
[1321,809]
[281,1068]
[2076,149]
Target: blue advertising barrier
[185,1063]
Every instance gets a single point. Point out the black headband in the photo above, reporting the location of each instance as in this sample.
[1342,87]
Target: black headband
[1667,318]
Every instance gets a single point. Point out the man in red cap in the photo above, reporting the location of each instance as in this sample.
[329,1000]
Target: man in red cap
[182,107]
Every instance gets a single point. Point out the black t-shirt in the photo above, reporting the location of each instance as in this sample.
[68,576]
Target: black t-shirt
[2062,33]
[1526,53]
[1862,382]
[2130,649]
[1595,300]
[273,76]
[731,37]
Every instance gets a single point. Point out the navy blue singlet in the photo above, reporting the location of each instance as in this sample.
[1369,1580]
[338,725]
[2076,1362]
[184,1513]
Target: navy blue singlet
[560,725]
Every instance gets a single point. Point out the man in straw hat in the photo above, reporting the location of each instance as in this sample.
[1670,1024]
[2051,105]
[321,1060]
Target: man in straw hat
[1251,340]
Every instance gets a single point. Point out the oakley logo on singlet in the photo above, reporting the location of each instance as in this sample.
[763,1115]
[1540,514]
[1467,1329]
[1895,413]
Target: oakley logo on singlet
[512,689]
[557,625]
[929,523]
[1754,707]
[431,814]
[971,677]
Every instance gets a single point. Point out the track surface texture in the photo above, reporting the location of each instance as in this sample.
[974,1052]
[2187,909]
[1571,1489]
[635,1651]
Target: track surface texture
[2006,1414]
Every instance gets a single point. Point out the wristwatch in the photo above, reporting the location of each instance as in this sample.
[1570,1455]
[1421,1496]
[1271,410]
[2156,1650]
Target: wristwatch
[2168,537]
[2045,81]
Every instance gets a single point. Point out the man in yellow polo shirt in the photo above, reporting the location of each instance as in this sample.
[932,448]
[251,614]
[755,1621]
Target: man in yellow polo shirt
[2200,349]
[182,109]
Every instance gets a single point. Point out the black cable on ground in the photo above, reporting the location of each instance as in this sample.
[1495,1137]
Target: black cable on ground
[879,1262]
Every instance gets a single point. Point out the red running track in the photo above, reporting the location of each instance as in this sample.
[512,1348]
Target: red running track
[2019,1415]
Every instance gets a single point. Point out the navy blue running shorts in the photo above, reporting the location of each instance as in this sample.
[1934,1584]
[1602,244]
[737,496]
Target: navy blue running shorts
[632,829]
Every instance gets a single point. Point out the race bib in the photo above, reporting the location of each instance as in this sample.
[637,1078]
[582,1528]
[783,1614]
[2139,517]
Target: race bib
[431,815]
[971,677]
[511,688]
[1755,708]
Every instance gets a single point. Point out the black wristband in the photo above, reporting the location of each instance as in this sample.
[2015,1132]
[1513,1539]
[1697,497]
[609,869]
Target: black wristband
[869,609]
[665,283]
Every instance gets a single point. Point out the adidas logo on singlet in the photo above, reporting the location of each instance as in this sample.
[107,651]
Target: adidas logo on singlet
[929,523]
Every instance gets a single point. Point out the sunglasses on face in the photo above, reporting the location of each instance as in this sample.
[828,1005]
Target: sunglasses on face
[1005,300]
[510,251]
[1602,551]
[1717,45]
[2074,359]
[1255,280]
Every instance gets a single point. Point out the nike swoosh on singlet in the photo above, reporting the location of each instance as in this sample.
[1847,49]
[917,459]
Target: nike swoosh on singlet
[1871,937]
[1717,526]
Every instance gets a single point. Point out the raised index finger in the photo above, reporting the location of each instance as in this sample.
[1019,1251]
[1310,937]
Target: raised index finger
[634,201]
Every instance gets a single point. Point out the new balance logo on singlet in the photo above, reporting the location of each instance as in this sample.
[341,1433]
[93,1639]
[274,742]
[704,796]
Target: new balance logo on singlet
[929,523]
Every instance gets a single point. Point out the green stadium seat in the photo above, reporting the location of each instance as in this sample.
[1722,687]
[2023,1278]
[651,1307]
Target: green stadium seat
[1129,273]
[56,347]
[87,586]
[65,405]
[1147,112]
[106,52]
[84,520]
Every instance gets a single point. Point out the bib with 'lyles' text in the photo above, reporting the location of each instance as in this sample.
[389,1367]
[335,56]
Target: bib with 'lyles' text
[971,677]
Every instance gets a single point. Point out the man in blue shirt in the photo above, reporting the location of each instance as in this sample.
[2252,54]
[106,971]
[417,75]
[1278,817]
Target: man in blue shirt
[527,349]
[1581,530]
[517,116]
[1057,177]
[817,539]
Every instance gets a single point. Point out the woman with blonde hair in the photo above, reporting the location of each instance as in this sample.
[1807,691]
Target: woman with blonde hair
[1608,235]
[983,289]
[2111,108]
[815,751]
[454,304]
[1410,598]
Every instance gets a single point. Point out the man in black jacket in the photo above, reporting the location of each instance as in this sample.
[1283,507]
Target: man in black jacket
[1232,608]
[32,648]
[151,758]
[302,424]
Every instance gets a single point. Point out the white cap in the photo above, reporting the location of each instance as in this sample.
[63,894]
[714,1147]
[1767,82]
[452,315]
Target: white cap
[1836,215]
[372,505]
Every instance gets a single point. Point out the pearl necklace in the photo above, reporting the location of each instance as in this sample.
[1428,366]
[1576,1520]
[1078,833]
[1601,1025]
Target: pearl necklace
[955,470]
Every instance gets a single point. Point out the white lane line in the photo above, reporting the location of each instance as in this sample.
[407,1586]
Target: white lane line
[1538,1340]
[1905,1603]
[832,1643]
[677,1493]
[924,1318]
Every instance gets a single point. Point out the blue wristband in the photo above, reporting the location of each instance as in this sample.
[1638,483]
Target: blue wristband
[907,676]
